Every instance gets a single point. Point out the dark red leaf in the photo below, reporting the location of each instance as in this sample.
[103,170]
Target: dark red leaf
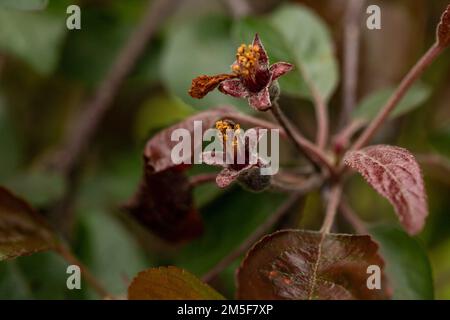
[295,264]
[395,174]
[22,230]
[164,204]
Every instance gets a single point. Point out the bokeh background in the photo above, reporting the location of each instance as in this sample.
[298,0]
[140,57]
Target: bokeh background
[48,72]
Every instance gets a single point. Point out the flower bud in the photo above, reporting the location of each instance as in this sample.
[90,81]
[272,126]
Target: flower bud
[252,180]
[443,29]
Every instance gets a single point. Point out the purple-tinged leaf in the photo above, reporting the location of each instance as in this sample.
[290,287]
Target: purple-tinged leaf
[295,264]
[279,69]
[164,204]
[22,230]
[234,88]
[395,174]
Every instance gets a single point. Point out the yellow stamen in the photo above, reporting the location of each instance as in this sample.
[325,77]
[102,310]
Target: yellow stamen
[247,58]
[224,125]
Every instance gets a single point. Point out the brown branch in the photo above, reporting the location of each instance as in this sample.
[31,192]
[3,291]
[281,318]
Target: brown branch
[311,152]
[304,186]
[322,120]
[397,96]
[255,236]
[67,254]
[333,203]
[321,110]
[351,49]
[84,128]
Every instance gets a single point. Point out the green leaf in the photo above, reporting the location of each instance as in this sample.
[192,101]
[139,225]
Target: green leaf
[204,194]
[36,37]
[158,112]
[109,251]
[295,34]
[40,276]
[200,46]
[440,260]
[101,241]
[22,230]
[228,220]
[89,55]
[24,4]
[39,187]
[13,284]
[407,266]
[170,283]
[371,105]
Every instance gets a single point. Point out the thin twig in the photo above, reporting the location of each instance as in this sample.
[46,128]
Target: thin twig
[322,119]
[203,178]
[311,152]
[80,135]
[397,96]
[342,139]
[255,236]
[321,110]
[351,49]
[67,254]
[333,203]
[350,215]
[305,186]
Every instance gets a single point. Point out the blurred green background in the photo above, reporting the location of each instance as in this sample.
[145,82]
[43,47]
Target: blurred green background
[47,72]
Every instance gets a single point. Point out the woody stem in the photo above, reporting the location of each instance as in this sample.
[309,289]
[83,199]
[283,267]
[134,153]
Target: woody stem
[311,152]
[397,96]
[322,119]
[333,203]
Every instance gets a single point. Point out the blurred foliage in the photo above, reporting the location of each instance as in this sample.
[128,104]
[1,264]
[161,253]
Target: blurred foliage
[47,71]
[400,250]
[371,105]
